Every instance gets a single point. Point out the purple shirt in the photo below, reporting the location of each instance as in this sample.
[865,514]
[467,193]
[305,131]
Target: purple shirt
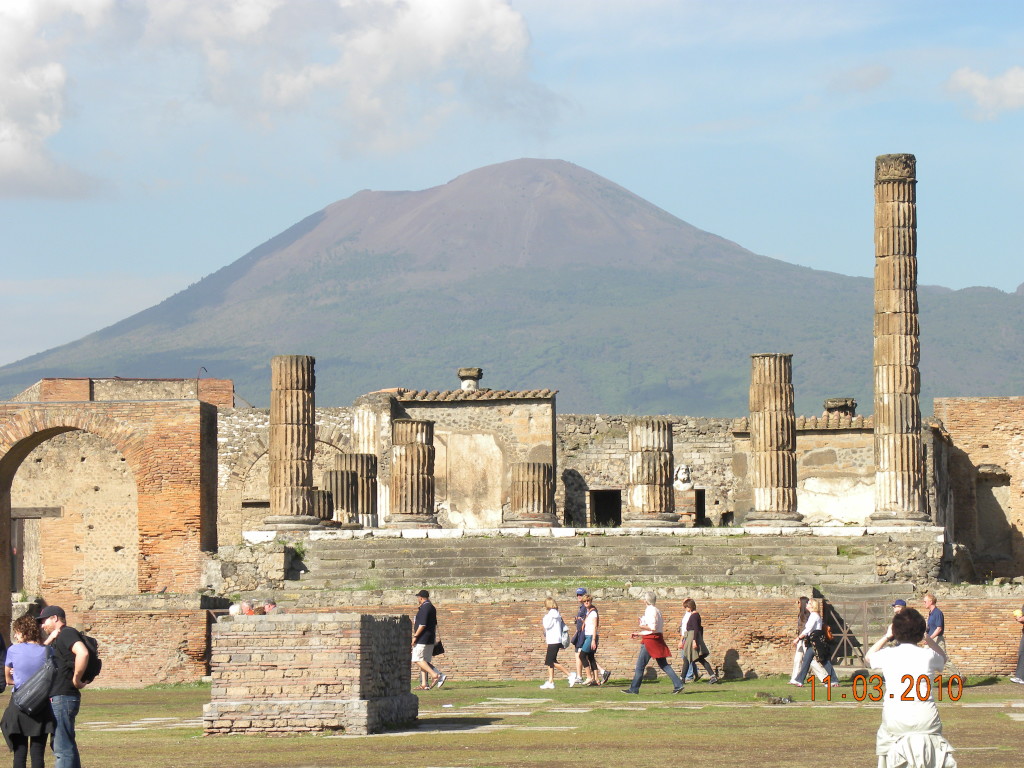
[25,659]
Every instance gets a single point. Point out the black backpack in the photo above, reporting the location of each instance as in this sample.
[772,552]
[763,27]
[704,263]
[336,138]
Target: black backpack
[95,663]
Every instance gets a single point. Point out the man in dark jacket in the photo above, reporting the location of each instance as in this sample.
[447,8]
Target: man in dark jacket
[71,656]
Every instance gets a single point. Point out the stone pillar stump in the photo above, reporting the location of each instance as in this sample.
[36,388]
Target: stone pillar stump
[651,499]
[532,496]
[773,441]
[364,465]
[292,434]
[412,474]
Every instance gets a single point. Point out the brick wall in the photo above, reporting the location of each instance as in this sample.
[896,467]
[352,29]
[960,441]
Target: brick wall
[141,648]
[309,672]
[65,390]
[986,470]
[161,443]
[748,637]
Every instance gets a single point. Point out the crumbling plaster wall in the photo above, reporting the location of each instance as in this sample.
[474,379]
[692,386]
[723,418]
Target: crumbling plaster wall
[476,442]
[593,454]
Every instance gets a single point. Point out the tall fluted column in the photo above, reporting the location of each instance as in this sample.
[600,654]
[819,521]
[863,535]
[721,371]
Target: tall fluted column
[651,497]
[412,474]
[292,411]
[532,496]
[364,466]
[899,450]
[773,441]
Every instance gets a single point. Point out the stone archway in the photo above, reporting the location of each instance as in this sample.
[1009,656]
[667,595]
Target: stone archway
[170,448]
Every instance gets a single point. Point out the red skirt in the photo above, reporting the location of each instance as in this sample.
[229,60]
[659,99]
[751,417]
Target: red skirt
[655,645]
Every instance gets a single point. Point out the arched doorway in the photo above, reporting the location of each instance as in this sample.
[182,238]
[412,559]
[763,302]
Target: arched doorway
[74,520]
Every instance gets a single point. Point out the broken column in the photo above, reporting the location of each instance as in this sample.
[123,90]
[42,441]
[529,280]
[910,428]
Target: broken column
[651,498]
[532,496]
[773,441]
[354,481]
[292,433]
[899,457]
[412,474]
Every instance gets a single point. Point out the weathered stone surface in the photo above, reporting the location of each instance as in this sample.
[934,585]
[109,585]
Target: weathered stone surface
[532,497]
[772,426]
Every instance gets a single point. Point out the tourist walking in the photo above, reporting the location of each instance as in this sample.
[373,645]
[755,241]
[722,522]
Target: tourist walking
[936,627]
[577,641]
[71,656]
[1018,675]
[813,636]
[424,635]
[691,643]
[553,626]
[911,731]
[798,655]
[652,646]
[591,634]
[25,734]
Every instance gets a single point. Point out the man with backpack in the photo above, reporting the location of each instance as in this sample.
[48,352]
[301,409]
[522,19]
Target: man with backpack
[72,657]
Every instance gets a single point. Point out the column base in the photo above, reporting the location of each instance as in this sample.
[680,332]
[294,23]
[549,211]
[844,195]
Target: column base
[533,522]
[656,520]
[896,518]
[405,522]
[774,519]
[290,522]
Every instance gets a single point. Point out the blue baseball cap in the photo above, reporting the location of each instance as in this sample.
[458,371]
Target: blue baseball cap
[901,603]
[581,591]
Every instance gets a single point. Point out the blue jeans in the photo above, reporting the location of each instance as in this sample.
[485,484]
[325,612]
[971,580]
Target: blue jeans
[805,666]
[65,710]
[641,664]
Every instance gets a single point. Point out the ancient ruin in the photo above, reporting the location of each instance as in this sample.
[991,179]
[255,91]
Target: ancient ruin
[899,477]
[141,505]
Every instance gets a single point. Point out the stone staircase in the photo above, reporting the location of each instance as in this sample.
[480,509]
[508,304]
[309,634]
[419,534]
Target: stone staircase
[495,561]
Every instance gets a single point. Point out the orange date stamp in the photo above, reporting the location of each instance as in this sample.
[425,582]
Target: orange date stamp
[872,688]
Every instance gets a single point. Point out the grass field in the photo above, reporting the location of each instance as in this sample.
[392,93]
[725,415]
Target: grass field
[483,724]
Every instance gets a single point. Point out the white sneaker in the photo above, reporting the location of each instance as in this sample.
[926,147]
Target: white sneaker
[572,679]
[547,686]
[1016,680]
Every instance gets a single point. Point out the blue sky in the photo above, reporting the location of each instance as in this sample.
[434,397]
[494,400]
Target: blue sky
[147,143]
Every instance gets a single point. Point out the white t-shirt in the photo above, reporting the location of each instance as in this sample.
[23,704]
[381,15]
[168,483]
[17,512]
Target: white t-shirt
[907,660]
[684,622]
[590,623]
[652,621]
[552,627]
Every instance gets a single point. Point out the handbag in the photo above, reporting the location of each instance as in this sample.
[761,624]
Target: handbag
[438,648]
[565,635]
[34,695]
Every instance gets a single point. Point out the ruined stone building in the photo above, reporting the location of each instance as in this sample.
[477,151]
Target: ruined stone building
[129,501]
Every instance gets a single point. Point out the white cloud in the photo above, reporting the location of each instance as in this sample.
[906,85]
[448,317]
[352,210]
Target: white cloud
[380,72]
[991,95]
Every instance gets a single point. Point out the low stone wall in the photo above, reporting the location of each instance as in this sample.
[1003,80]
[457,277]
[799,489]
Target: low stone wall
[296,673]
[496,634]
[148,639]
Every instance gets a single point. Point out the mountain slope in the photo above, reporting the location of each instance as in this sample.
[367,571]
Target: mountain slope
[546,275]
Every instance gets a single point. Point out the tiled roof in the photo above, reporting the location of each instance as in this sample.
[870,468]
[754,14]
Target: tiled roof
[832,421]
[454,395]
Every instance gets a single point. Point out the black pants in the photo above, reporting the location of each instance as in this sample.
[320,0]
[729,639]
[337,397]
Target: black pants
[24,747]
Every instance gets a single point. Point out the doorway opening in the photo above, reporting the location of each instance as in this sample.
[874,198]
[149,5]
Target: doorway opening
[606,509]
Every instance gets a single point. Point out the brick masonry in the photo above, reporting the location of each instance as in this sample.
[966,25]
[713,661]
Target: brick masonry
[985,471]
[168,447]
[310,672]
[494,638]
